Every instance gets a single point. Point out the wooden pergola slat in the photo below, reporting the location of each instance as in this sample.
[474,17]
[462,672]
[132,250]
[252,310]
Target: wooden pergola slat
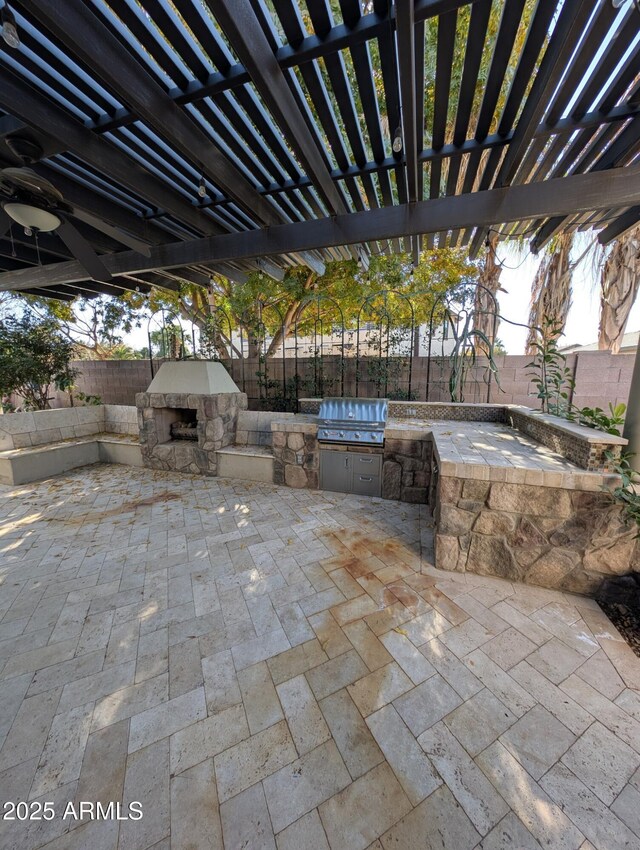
[81,31]
[567,31]
[446,42]
[476,36]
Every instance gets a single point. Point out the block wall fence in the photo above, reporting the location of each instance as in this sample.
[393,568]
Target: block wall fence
[600,378]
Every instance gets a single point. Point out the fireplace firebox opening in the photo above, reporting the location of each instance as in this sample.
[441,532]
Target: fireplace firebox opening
[176,423]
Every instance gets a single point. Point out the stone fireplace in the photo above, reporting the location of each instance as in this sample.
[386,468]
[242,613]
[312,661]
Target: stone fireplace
[187,415]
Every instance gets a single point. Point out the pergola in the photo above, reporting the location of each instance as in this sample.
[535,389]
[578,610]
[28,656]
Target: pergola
[273,111]
[230,135]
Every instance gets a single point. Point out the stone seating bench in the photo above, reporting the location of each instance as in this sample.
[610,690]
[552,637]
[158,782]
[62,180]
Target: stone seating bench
[251,458]
[22,466]
[44,443]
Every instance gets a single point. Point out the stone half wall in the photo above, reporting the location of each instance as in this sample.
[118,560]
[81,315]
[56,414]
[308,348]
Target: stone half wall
[566,539]
[406,470]
[296,459]
[586,454]
[216,417]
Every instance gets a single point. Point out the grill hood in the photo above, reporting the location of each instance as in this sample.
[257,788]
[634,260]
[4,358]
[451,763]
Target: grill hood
[354,410]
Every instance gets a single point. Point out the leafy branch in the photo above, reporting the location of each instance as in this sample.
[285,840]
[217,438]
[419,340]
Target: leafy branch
[595,417]
[625,493]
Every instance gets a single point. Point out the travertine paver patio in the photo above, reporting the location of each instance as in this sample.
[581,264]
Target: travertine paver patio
[247,660]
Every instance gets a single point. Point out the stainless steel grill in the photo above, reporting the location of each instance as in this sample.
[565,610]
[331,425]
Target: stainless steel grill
[353,420]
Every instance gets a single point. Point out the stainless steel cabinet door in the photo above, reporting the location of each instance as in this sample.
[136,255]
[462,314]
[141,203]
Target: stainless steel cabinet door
[335,471]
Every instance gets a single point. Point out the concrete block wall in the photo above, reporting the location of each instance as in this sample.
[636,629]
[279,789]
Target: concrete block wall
[115,381]
[600,377]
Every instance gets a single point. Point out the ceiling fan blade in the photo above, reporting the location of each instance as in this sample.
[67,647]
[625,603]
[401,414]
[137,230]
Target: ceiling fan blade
[83,252]
[5,223]
[114,232]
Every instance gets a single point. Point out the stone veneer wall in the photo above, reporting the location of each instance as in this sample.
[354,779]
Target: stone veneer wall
[216,415]
[296,459]
[566,539]
[586,454]
[406,470]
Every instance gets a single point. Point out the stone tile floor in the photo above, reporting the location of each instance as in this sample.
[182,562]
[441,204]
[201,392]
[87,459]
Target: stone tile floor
[262,667]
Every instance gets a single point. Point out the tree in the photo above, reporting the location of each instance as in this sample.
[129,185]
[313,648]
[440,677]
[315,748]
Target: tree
[121,351]
[619,284]
[551,290]
[267,310]
[34,354]
[485,307]
[94,325]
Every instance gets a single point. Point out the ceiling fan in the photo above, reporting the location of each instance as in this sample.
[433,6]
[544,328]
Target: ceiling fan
[31,201]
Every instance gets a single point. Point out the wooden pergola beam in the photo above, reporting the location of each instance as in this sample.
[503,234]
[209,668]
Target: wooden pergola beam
[618,187]
[407,68]
[627,221]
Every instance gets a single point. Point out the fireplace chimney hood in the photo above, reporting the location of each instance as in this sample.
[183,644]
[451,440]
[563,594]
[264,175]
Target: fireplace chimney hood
[197,377]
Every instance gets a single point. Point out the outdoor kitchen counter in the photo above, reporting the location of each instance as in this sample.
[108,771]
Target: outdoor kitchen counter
[491,451]
[301,423]
[488,451]
[507,505]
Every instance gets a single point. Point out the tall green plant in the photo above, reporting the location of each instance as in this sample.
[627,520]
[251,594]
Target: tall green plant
[468,343]
[626,493]
[548,370]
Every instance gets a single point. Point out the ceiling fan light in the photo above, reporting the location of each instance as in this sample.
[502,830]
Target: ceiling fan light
[32,217]
[202,188]
[9,28]
[618,4]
